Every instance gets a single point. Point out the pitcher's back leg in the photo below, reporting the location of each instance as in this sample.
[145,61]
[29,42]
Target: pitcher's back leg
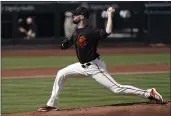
[104,78]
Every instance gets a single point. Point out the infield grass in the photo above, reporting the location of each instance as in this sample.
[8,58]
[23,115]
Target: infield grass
[62,61]
[22,95]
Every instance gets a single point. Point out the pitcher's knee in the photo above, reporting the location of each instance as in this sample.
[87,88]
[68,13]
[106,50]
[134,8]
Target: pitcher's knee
[61,73]
[116,89]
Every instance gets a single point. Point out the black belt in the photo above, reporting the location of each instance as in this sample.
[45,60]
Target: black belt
[86,65]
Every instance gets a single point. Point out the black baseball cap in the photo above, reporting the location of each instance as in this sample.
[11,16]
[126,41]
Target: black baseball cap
[82,11]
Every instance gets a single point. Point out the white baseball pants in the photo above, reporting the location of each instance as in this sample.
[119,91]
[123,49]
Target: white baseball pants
[97,70]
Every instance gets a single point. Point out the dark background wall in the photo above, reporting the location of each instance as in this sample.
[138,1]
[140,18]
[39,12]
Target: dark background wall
[150,22]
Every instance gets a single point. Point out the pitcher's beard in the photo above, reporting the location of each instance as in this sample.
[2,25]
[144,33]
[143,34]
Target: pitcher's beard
[76,21]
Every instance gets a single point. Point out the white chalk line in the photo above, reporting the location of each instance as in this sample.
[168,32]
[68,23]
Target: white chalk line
[119,73]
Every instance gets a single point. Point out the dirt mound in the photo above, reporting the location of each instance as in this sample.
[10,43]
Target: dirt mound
[130,109]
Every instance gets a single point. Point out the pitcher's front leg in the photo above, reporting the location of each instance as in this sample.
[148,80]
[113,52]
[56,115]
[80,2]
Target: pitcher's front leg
[57,87]
[62,74]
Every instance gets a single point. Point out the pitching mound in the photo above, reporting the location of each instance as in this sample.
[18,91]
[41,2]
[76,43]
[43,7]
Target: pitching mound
[130,109]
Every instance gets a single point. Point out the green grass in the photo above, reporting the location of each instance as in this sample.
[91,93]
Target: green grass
[21,95]
[62,61]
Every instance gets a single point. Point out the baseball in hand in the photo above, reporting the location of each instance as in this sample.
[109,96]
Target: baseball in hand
[110,9]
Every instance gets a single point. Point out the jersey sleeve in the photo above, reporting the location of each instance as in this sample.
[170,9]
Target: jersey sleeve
[101,33]
[67,43]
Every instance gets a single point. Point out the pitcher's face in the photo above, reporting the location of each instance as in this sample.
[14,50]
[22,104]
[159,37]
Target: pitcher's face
[76,19]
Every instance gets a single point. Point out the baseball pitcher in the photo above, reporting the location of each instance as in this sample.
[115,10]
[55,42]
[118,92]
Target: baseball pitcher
[85,39]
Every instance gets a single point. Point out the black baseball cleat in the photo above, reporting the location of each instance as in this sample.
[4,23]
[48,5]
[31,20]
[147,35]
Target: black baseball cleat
[47,109]
[155,96]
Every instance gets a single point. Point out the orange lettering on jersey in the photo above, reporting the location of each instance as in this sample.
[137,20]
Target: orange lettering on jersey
[82,41]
